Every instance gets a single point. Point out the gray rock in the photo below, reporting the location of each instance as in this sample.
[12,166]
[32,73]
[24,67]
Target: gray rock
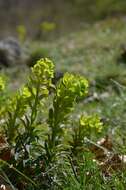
[10,52]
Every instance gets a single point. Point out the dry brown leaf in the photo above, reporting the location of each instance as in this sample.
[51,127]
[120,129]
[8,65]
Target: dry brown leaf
[107,160]
[5,152]
[106,143]
[102,148]
[112,164]
[5,187]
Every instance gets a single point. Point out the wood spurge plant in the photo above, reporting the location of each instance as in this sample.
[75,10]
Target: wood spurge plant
[33,142]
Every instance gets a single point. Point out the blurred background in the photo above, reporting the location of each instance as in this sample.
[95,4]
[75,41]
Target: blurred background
[56,17]
[85,36]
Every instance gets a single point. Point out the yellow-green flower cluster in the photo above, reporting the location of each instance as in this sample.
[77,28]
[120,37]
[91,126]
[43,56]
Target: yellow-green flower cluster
[42,74]
[36,88]
[43,71]
[70,88]
[25,92]
[91,123]
[73,86]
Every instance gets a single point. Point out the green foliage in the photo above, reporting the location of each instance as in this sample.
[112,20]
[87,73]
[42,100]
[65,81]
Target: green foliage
[88,127]
[86,175]
[38,149]
[69,88]
[29,97]
[2,84]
